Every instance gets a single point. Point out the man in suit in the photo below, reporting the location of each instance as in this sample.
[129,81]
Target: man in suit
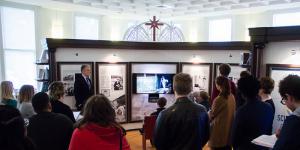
[83,87]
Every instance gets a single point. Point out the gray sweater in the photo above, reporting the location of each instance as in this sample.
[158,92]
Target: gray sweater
[26,109]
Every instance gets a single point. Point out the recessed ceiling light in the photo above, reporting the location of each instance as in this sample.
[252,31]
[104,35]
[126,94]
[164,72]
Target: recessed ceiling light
[164,6]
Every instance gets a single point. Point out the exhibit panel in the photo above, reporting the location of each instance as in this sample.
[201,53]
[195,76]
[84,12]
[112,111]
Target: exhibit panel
[150,81]
[201,75]
[234,75]
[277,72]
[112,82]
[67,72]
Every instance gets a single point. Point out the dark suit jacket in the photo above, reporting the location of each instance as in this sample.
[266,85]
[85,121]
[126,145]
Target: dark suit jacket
[81,90]
[183,126]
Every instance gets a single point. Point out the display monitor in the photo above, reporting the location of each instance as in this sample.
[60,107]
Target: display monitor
[144,83]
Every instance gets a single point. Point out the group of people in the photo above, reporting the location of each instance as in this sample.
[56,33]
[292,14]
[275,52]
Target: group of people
[231,119]
[236,117]
[50,124]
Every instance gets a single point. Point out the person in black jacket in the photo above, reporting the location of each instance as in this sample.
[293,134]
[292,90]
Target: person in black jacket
[83,86]
[12,130]
[253,119]
[289,89]
[266,88]
[161,102]
[56,93]
[184,125]
[48,130]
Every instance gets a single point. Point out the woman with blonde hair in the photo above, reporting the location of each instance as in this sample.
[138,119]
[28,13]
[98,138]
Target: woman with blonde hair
[7,97]
[25,95]
[98,128]
[56,94]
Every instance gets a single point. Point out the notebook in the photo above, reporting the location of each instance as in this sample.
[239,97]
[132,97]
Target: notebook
[265,140]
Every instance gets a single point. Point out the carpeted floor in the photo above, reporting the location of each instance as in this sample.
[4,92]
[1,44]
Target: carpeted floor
[134,138]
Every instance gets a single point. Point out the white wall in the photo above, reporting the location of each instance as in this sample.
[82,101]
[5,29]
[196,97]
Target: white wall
[106,55]
[114,28]
[280,53]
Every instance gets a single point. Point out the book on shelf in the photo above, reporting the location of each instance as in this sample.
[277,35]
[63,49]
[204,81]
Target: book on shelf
[43,74]
[44,57]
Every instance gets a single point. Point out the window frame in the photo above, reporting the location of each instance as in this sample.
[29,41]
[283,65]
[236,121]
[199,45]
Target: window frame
[36,36]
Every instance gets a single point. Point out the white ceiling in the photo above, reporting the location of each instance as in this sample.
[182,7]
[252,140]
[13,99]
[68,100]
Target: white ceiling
[163,8]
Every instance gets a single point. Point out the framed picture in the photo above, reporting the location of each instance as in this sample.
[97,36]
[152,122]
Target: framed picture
[112,80]
[277,72]
[149,81]
[234,75]
[201,74]
[66,72]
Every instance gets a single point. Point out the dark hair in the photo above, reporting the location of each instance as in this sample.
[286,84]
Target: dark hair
[162,101]
[183,83]
[245,74]
[98,110]
[224,69]
[40,102]
[11,128]
[204,95]
[290,85]
[223,82]
[83,67]
[26,93]
[56,90]
[267,85]
[248,86]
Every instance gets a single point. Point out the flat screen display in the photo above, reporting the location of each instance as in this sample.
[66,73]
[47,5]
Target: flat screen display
[152,83]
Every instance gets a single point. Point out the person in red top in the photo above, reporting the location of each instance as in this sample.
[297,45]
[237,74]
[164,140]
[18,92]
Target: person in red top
[98,128]
[224,70]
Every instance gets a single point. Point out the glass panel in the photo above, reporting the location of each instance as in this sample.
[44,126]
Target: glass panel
[20,67]
[18,28]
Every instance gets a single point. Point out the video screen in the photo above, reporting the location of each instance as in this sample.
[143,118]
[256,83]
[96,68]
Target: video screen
[153,83]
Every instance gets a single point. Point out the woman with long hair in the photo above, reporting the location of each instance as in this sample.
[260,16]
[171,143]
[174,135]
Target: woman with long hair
[98,128]
[7,97]
[221,116]
[25,95]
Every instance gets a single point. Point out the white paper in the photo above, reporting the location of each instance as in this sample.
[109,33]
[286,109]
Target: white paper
[265,140]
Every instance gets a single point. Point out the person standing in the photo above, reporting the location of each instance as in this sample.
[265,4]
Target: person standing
[288,138]
[221,116]
[266,88]
[224,70]
[253,119]
[83,87]
[185,124]
[202,98]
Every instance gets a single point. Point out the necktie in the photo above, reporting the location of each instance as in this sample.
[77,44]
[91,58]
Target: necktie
[88,82]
